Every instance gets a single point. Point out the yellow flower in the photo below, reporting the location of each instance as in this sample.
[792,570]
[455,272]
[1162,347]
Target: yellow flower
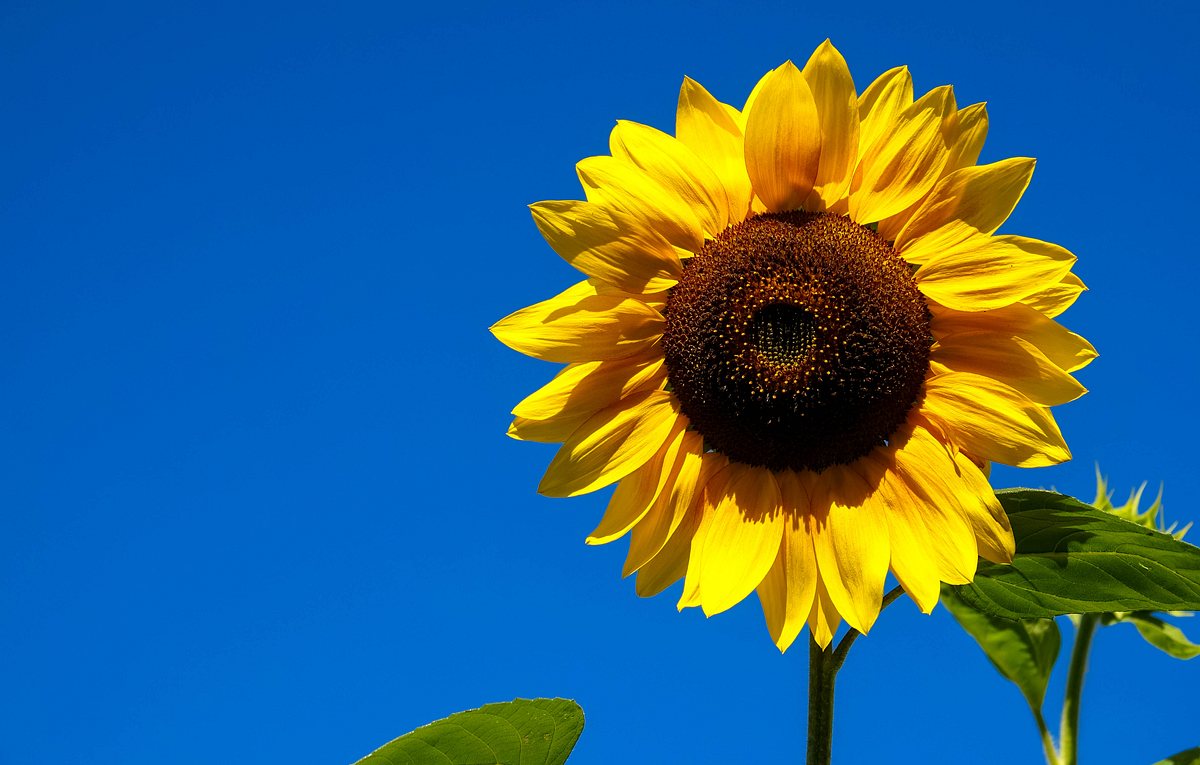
[800,345]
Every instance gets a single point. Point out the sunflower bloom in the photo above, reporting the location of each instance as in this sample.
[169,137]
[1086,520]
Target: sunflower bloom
[799,345]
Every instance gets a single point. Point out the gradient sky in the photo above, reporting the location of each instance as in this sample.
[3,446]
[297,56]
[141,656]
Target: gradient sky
[258,505]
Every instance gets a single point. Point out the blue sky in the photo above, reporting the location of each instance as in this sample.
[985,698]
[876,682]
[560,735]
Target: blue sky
[258,503]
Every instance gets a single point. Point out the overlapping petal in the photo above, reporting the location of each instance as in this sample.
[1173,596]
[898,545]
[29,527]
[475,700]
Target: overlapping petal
[1064,348]
[972,200]
[611,444]
[904,162]
[970,131]
[583,388]
[910,543]
[1056,298]
[881,104]
[836,101]
[713,131]
[788,589]
[677,168]
[1011,360]
[849,530]
[580,325]
[993,420]
[925,497]
[743,537]
[673,504]
[637,493]
[783,139]
[618,184]
[670,563]
[984,272]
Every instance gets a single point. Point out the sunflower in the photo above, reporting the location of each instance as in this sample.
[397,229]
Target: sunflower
[799,346]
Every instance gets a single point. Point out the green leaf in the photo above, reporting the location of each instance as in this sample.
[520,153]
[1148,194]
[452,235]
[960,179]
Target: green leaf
[1023,651]
[1024,500]
[520,732]
[1190,757]
[1164,636]
[1074,559]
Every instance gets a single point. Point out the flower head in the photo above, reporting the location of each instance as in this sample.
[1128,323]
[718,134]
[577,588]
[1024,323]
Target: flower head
[799,345]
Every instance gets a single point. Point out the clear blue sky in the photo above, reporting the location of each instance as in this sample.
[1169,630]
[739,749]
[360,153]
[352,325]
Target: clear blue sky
[258,505]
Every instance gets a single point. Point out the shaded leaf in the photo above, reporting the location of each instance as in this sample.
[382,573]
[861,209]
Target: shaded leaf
[1074,559]
[520,732]
[1190,757]
[1162,635]
[1023,651]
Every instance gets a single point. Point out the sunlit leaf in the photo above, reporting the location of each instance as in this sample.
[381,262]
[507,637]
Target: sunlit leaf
[1023,651]
[1190,757]
[520,732]
[1074,559]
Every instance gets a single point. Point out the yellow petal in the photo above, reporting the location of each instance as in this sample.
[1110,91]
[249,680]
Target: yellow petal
[967,130]
[673,504]
[924,501]
[832,89]
[991,420]
[889,227]
[993,533]
[637,492]
[750,99]
[743,539]
[1010,360]
[1066,349]
[719,471]
[619,184]
[578,326]
[905,162]
[677,168]
[711,129]
[739,119]
[581,389]
[1057,298]
[824,619]
[974,199]
[670,563]
[609,245]
[788,590]
[613,443]
[881,105]
[783,140]
[985,272]
[772,595]
[543,431]
[911,547]
[851,543]
[971,131]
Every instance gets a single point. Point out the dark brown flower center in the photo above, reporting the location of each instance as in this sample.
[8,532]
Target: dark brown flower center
[797,340]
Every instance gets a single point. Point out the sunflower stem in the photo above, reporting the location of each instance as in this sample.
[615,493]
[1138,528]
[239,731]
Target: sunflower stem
[1068,734]
[821,675]
[823,666]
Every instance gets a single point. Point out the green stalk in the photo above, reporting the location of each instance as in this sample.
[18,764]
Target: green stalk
[1069,732]
[821,676]
[823,666]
